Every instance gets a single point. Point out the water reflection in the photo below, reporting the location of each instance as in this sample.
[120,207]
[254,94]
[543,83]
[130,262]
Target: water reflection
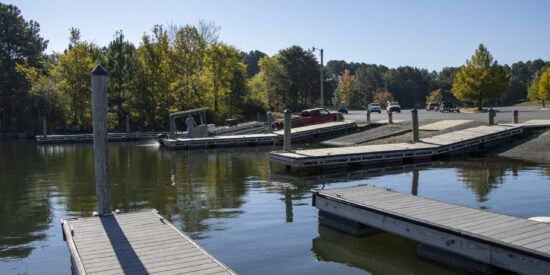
[233,190]
[25,192]
[397,257]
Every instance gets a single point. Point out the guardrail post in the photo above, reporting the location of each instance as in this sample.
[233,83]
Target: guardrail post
[100,128]
[390,118]
[286,145]
[414,113]
[515,116]
[44,127]
[491,117]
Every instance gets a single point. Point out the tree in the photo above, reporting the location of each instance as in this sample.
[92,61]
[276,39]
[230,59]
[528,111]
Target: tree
[188,52]
[435,96]
[300,86]
[153,98]
[346,87]
[544,86]
[268,82]
[481,79]
[73,76]
[20,43]
[383,97]
[533,91]
[251,60]
[121,63]
[225,78]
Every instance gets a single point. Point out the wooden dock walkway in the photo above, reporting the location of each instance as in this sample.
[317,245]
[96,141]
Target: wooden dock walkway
[135,243]
[90,137]
[449,143]
[298,134]
[512,243]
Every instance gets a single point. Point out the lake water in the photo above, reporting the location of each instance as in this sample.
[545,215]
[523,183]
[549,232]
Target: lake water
[253,216]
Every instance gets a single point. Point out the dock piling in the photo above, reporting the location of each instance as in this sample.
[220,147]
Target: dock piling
[100,128]
[44,127]
[368,118]
[414,113]
[270,122]
[492,115]
[286,145]
[127,124]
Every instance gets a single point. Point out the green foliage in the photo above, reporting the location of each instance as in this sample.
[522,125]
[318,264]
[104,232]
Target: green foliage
[20,43]
[481,79]
[544,86]
[121,63]
[268,83]
[251,60]
[300,82]
[152,100]
[73,80]
[189,49]
[533,91]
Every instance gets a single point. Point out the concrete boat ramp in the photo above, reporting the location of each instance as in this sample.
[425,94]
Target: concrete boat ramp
[297,134]
[479,236]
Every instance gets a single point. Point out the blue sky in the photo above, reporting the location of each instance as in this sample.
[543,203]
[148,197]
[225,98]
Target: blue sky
[424,34]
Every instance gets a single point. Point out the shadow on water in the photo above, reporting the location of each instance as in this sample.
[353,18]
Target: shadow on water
[205,192]
[382,253]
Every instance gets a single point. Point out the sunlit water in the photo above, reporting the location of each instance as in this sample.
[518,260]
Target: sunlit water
[250,214]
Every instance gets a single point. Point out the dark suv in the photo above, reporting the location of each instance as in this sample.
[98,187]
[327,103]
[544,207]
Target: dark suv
[447,106]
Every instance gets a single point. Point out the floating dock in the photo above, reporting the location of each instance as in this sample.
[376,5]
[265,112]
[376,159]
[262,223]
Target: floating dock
[458,142]
[135,243]
[511,243]
[297,134]
[90,137]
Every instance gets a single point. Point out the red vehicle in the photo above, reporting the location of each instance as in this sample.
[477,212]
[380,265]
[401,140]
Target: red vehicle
[308,117]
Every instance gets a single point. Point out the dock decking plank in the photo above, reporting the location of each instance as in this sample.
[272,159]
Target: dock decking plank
[141,242]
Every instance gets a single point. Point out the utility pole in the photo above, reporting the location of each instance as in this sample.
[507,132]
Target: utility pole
[321,80]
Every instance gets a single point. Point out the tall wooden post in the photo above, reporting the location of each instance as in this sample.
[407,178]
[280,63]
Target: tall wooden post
[286,145]
[101,153]
[269,122]
[44,127]
[172,126]
[414,114]
[492,114]
[127,124]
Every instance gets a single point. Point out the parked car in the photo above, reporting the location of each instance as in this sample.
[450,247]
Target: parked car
[374,107]
[308,117]
[432,106]
[342,108]
[393,107]
[447,106]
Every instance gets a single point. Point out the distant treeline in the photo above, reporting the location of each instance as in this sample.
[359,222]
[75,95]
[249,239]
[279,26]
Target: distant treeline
[410,86]
[184,67]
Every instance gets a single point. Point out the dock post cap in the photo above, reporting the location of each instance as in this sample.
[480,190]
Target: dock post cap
[98,70]
[287,111]
[414,110]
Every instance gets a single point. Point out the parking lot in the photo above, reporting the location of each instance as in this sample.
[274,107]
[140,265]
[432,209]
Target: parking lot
[503,115]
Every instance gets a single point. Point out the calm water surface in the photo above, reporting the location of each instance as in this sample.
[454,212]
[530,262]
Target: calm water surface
[253,216]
